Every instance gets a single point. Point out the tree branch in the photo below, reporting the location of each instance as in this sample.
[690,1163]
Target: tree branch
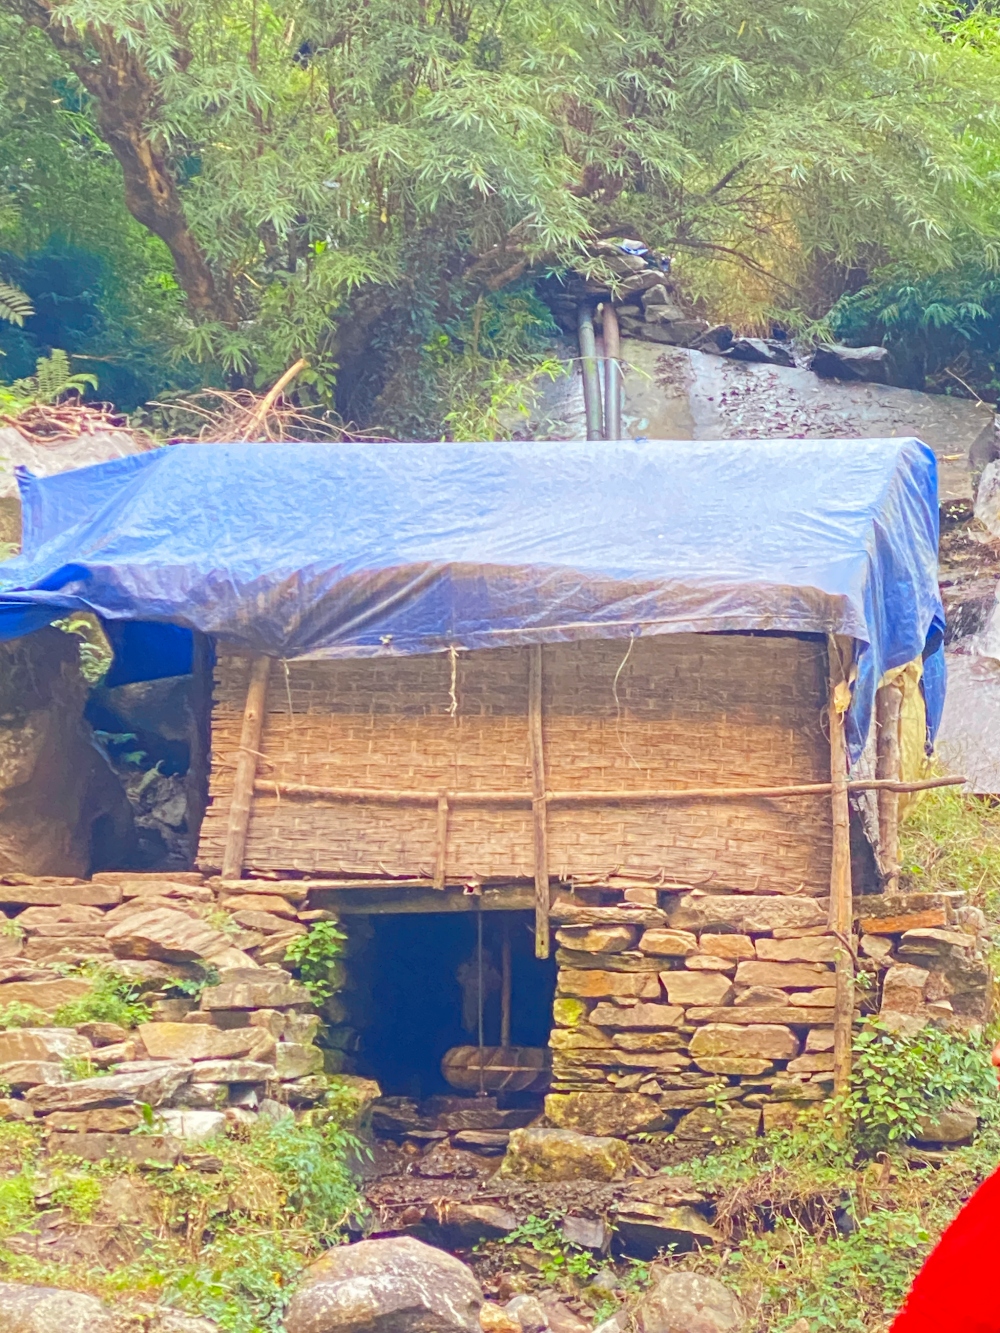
[125,98]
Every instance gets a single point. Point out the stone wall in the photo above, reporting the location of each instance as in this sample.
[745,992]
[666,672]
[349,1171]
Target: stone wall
[666,1011]
[230,1035]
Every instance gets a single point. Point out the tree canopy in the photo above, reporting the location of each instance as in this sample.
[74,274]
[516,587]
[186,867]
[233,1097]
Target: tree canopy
[368,184]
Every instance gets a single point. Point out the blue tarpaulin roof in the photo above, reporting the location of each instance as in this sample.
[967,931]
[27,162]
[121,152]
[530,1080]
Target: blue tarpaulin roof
[374,549]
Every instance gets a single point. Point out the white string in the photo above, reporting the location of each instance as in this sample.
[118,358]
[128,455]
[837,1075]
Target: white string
[619,730]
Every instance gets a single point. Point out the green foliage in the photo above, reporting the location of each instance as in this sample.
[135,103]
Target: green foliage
[15,306]
[314,954]
[192,987]
[896,1080]
[560,1258]
[112,999]
[96,653]
[950,840]
[241,1281]
[53,379]
[80,1193]
[17,1014]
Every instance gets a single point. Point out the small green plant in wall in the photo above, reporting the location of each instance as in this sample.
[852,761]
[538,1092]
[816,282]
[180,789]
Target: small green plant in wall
[314,955]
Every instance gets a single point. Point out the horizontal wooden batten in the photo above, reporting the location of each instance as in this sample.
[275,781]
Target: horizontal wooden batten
[402,795]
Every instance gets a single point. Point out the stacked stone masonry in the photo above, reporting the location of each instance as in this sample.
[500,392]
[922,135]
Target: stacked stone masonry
[230,1035]
[675,1003]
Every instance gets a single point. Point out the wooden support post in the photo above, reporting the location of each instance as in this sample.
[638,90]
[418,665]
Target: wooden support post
[441,860]
[246,769]
[505,984]
[536,749]
[841,906]
[888,713]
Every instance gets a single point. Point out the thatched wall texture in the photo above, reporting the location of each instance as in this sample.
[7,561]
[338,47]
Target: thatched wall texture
[670,711]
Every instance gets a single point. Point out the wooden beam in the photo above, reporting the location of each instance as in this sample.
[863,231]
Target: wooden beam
[246,769]
[402,902]
[888,713]
[536,751]
[841,906]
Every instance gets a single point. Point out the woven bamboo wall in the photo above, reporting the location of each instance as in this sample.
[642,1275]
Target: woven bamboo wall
[683,710]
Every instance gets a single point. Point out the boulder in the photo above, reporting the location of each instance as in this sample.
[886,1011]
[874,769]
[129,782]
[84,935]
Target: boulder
[47,996]
[397,1285]
[41,1044]
[651,1016]
[563,1154]
[761,995]
[232,1071]
[270,903]
[819,1040]
[463,1224]
[597,984]
[172,936]
[678,1302]
[580,1039]
[296,1060]
[104,1120]
[734,948]
[255,988]
[57,790]
[742,913]
[13,1108]
[528,1313]
[191,1126]
[712,1125]
[903,989]
[764,351]
[603,1113]
[957,1124]
[769,1041]
[153,1086]
[785,976]
[834,361]
[710,962]
[664,943]
[494,1318]
[25,1309]
[190,1041]
[139,1149]
[103,1034]
[649,1041]
[22,1074]
[598,939]
[646,1227]
[814,949]
[697,987]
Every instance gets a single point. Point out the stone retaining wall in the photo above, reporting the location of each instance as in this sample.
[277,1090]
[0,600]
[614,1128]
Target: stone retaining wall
[231,1034]
[676,1003]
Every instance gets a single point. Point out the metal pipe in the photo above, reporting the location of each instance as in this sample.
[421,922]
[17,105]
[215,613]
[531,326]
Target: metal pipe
[591,378]
[612,374]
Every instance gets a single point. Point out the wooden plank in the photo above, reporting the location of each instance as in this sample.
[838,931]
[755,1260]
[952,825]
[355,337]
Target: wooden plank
[536,751]
[889,702]
[840,874]
[441,863]
[246,769]
[387,902]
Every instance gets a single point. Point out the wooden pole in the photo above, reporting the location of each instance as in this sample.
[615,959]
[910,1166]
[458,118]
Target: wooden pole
[441,861]
[841,906]
[484,796]
[505,984]
[888,712]
[246,769]
[536,750]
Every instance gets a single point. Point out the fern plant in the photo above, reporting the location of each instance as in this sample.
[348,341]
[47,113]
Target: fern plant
[15,305]
[53,379]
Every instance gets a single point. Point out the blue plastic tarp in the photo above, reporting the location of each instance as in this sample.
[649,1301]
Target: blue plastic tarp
[377,549]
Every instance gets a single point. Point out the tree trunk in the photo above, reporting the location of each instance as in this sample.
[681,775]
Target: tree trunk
[125,97]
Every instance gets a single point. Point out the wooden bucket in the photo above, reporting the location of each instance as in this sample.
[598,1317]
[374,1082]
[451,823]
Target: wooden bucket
[504,1069]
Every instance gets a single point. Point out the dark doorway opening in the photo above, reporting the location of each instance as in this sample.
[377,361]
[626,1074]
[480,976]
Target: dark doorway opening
[424,983]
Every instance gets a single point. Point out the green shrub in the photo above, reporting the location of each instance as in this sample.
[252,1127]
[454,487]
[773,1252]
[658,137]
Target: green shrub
[313,955]
[20,1015]
[112,998]
[898,1079]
